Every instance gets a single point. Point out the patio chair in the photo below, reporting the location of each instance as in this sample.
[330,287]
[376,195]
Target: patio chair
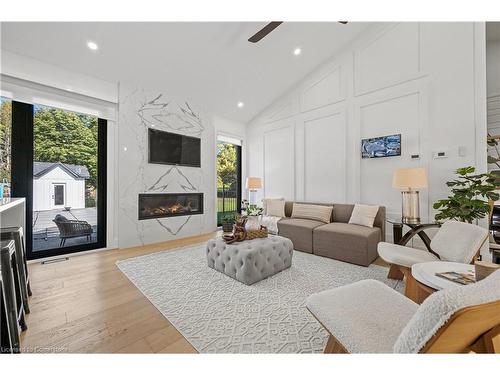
[72,228]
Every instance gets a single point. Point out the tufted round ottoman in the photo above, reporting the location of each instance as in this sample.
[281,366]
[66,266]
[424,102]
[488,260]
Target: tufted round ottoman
[250,261]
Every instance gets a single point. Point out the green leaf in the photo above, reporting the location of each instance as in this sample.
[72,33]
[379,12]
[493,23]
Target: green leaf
[469,196]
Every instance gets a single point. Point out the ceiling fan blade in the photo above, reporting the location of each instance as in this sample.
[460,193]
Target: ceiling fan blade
[343,22]
[264,31]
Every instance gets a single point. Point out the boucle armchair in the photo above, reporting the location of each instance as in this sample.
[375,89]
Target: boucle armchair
[454,242]
[370,317]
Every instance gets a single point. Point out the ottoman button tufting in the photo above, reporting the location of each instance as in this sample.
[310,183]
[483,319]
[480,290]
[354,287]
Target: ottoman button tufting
[259,259]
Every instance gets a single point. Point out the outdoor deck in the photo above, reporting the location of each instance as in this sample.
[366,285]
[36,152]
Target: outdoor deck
[46,234]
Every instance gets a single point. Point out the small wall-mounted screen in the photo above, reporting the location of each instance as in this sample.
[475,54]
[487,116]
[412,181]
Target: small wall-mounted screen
[174,149]
[381,147]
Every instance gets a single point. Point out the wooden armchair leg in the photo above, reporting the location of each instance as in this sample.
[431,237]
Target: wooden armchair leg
[395,273]
[334,347]
[492,340]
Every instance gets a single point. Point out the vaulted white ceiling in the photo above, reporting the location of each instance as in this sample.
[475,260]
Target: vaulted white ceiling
[212,62]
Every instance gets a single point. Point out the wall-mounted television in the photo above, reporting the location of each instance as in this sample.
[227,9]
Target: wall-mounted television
[381,147]
[173,149]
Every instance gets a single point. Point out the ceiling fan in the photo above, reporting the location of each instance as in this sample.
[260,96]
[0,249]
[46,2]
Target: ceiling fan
[270,27]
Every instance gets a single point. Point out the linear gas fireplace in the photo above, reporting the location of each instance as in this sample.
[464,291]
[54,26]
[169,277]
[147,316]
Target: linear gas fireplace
[157,205]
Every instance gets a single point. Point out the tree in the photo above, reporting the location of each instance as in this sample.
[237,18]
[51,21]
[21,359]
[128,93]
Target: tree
[5,139]
[67,137]
[226,165]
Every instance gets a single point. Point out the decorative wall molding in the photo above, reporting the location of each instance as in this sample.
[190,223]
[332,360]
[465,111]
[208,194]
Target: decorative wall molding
[391,57]
[413,129]
[332,84]
[282,112]
[330,143]
[290,173]
[430,98]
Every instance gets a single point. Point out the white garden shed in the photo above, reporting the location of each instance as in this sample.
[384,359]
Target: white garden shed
[58,185]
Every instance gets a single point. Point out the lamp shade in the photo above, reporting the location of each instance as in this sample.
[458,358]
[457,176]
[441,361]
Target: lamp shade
[410,178]
[254,183]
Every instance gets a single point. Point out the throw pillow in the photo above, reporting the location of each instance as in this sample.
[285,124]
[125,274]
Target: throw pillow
[275,207]
[364,215]
[312,212]
[265,202]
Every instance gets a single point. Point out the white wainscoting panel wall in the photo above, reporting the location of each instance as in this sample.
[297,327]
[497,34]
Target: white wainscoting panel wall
[324,158]
[416,79]
[279,162]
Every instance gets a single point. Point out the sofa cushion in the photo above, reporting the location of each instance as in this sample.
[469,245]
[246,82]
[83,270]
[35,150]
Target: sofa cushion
[312,212]
[300,231]
[265,202]
[275,207]
[347,242]
[363,214]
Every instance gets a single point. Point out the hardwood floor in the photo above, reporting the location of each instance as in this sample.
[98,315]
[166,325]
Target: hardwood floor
[86,305]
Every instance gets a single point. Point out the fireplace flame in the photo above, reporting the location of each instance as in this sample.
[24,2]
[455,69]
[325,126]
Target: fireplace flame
[157,207]
[175,208]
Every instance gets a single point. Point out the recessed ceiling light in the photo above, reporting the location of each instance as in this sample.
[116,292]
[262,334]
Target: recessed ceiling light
[297,51]
[240,104]
[93,46]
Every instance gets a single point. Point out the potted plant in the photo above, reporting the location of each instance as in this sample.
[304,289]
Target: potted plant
[228,222]
[469,196]
[250,209]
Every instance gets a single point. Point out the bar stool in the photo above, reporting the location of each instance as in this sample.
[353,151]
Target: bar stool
[5,346]
[16,234]
[11,290]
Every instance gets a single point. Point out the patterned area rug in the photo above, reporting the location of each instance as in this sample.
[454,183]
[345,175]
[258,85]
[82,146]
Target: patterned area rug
[217,314]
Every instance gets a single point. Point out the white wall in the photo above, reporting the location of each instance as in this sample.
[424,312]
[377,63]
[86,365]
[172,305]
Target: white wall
[43,190]
[26,68]
[417,79]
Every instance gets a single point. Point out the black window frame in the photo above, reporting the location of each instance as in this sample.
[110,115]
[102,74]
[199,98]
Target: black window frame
[22,179]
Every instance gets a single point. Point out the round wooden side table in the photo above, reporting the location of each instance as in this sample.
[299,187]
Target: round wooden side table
[424,282]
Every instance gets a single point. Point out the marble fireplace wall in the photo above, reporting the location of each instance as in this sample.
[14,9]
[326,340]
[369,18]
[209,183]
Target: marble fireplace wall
[139,110]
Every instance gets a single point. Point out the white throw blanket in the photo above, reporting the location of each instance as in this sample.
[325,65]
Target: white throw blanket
[271,222]
[439,307]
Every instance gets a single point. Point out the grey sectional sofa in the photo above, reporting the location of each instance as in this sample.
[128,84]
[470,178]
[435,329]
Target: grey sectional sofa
[338,239]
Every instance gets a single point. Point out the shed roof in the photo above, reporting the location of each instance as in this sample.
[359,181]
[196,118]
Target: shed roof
[42,167]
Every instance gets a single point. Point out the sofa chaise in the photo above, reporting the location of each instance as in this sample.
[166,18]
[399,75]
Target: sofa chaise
[338,240]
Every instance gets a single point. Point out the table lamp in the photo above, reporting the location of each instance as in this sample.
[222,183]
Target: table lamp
[410,180]
[253,184]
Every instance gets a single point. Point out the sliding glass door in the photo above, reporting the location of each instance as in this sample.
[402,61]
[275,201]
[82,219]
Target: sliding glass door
[61,169]
[228,180]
